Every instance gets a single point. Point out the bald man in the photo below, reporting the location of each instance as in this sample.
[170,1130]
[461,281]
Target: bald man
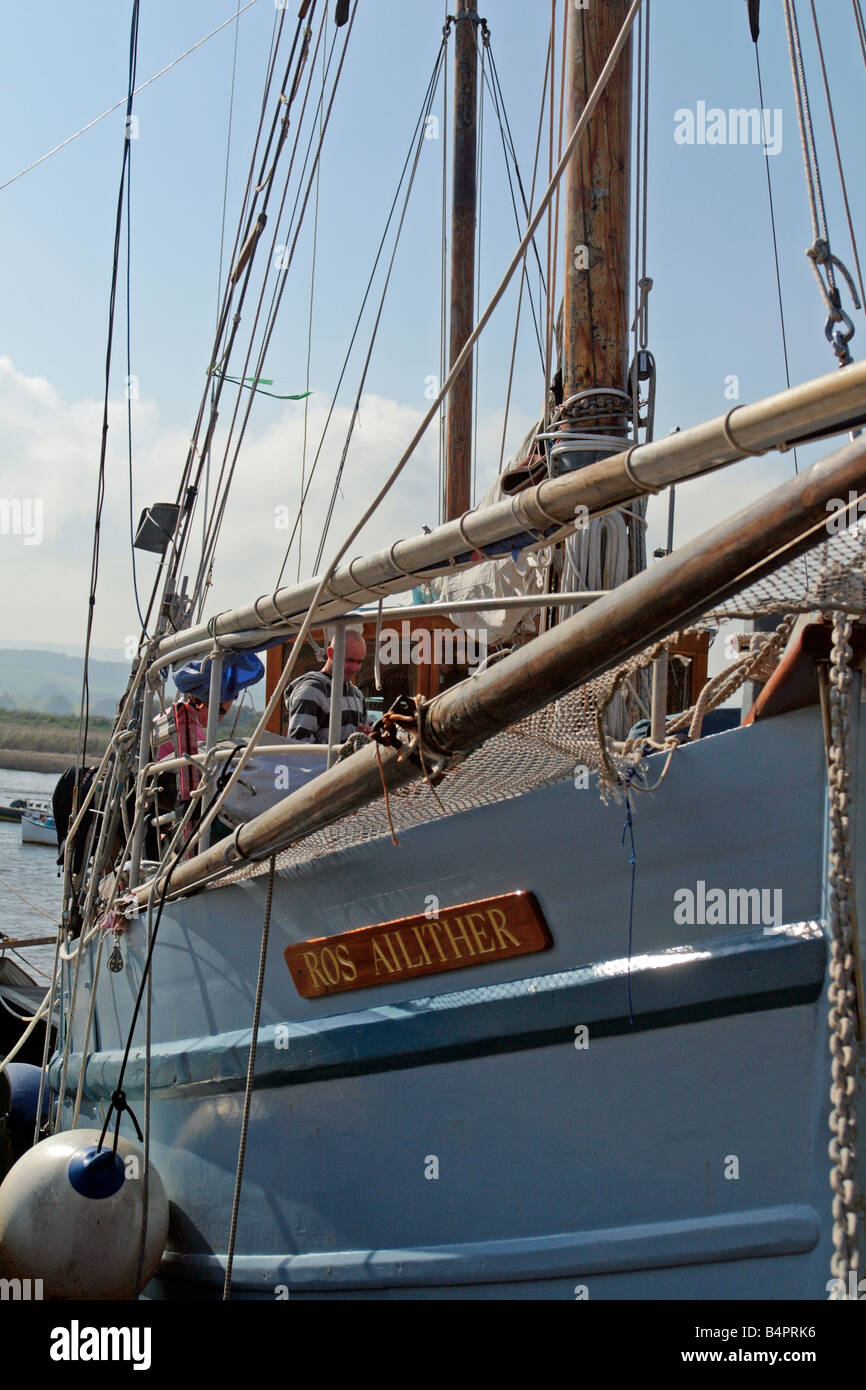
[308,698]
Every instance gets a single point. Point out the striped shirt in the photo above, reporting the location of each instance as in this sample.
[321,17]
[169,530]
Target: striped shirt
[309,703]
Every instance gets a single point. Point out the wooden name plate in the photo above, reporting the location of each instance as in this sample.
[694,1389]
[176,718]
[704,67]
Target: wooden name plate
[470,934]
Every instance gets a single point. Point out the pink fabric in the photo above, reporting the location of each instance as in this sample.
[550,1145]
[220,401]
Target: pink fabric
[189,734]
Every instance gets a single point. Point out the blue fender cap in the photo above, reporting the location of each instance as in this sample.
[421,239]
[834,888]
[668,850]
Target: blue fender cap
[96,1172]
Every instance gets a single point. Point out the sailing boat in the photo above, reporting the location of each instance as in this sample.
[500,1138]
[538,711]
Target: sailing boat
[442,1067]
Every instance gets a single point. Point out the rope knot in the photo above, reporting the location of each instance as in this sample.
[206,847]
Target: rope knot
[120,1103]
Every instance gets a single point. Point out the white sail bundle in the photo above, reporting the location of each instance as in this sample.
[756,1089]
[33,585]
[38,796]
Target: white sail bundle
[518,576]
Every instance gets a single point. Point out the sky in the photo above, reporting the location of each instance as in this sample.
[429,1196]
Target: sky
[713,327]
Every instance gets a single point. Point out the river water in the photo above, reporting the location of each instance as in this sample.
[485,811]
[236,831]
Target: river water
[31,869]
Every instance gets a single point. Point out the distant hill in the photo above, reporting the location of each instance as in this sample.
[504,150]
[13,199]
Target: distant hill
[50,682]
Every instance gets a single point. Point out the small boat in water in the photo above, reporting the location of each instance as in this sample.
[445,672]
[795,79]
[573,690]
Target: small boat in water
[14,811]
[38,829]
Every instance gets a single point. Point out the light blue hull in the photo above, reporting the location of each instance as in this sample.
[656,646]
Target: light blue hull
[680,1154]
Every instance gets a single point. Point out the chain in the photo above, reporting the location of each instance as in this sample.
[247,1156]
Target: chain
[842,993]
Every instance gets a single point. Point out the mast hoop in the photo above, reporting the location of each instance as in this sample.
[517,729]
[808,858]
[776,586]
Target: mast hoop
[366,588]
[632,476]
[476,549]
[548,516]
[729,438]
[408,574]
[267,623]
[328,589]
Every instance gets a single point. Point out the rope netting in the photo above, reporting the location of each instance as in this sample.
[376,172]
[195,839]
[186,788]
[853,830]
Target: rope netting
[571,737]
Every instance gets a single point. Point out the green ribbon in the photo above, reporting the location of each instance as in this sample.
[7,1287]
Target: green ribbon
[236,381]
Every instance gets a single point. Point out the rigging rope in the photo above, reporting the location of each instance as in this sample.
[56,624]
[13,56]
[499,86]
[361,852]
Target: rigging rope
[310,323]
[251,189]
[524,278]
[819,253]
[43,1074]
[642,284]
[37,1018]
[170,562]
[84,716]
[838,155]
[861,26]
[639,300]
[548,328]
[129,389]
[285,258]
[88,1025]
[222,248]
[289,256]
[378,319]
[226,173]
[118,1098]
[429,93]
[554,276]
[123,101]
[29,904]
[762,109]
[107,821]
[633,518]
[250,1081]
[479,219]
[222,490]
[145,1189]
[510,154]
[443,288]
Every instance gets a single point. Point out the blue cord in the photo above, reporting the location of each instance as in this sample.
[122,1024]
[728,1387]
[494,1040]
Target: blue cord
[629,827]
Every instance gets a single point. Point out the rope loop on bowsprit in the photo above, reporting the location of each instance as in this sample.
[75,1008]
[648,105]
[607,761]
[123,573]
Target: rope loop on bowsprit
[405,717]
[398,719]
[402,717]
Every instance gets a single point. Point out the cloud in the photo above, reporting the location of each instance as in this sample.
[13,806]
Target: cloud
[50,451]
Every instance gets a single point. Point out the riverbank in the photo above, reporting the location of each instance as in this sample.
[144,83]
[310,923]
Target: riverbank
[26,760]
[31,741]
[34,742]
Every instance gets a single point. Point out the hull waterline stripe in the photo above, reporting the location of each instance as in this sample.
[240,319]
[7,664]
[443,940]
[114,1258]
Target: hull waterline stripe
[757,970]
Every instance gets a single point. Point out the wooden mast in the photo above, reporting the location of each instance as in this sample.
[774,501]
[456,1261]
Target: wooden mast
[459,447]
[597,205]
